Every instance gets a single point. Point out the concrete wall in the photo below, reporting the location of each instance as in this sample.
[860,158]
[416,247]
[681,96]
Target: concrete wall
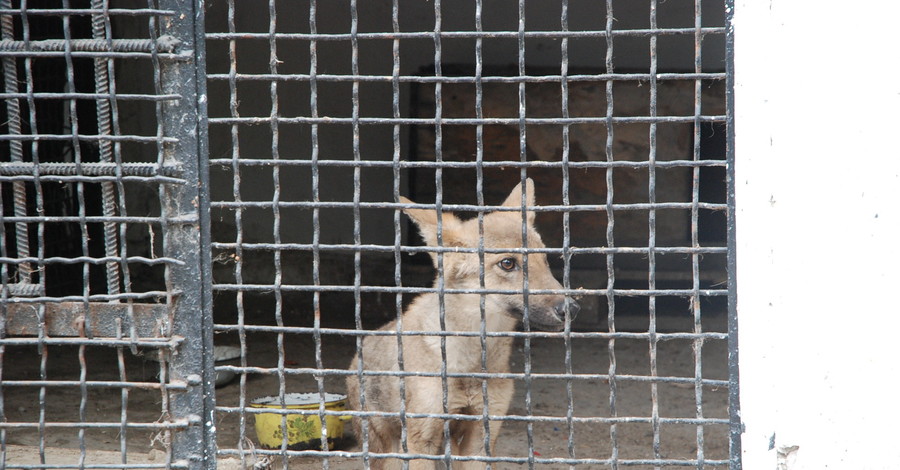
[818,185]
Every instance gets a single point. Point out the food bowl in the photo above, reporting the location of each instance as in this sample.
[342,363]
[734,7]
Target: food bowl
[304,430]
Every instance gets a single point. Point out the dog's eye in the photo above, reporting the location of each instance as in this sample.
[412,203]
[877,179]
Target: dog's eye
[507,264]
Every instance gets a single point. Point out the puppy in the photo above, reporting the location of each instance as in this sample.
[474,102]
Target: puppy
[462,313]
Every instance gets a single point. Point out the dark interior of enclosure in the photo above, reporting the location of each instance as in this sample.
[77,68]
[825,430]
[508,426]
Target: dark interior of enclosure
[50,77]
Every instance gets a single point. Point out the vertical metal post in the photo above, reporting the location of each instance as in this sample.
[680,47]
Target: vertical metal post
[479,191]
[185,213]
[567,233]
[523,157]
[734,406]
[398,238]
[610,242]
[238,222]
[104,127]
[695,234]
[14,124]
[438,204]
[651,239]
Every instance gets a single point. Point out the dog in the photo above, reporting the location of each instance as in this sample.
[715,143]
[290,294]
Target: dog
[462,313]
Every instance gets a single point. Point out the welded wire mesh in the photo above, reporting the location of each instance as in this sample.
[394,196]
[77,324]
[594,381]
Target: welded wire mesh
[97,238]
[323,114]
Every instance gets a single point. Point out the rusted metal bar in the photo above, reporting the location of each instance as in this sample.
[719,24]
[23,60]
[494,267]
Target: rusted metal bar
[165,44]
[68,318]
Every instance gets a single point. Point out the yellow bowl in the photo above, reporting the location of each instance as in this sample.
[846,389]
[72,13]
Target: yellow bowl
[304,430]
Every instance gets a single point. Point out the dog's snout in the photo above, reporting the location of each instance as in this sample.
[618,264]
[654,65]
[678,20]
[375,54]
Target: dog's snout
[570,305]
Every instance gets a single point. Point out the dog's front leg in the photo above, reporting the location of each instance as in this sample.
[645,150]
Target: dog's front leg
[424,435]
[500,394]
[470,438]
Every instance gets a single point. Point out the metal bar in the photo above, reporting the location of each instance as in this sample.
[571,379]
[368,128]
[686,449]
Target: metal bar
[88,169]
[84,138]
[103,72]
[610,242]
[470,334]
[697,345]
[91,55]
[128,322]
[4,298]
[68,319]
[175,444]
[25,12]
[444,121]
[188,219]
[238,221]
[14,127]
[38,191]
[191,310]
[92,384]
[97,425]
[567,254]
[428,249]
[599,77]
[163,44]
[515,460]
[317,232]
[209,374]
[357,318]
[484,164]
[523,156]
[87,179]
[712,384]
[422,290]
[276,229]
[439,200]
[147,295]
[78,157]
[651,242]
[479,170]
[468,417]
[86,96]
[478,34]
[398,235]
[139,342]
[734,404]
[462,207]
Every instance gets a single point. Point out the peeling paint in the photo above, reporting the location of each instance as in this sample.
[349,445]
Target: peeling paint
[786,457]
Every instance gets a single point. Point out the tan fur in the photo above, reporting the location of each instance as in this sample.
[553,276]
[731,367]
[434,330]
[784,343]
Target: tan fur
[502,229]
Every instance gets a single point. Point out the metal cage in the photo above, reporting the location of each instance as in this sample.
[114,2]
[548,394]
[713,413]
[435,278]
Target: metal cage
[176,175]
[102,217]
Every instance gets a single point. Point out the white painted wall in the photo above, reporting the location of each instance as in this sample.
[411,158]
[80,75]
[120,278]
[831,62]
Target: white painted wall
[818,214]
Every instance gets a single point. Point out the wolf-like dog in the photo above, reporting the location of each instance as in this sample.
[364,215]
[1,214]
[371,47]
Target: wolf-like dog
[462,313]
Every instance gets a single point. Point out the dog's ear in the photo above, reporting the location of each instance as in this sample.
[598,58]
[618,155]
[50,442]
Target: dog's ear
[426,220]
[515,199]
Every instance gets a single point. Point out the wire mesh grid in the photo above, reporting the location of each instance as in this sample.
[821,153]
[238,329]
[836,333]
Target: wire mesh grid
[325,115]
[99,241]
